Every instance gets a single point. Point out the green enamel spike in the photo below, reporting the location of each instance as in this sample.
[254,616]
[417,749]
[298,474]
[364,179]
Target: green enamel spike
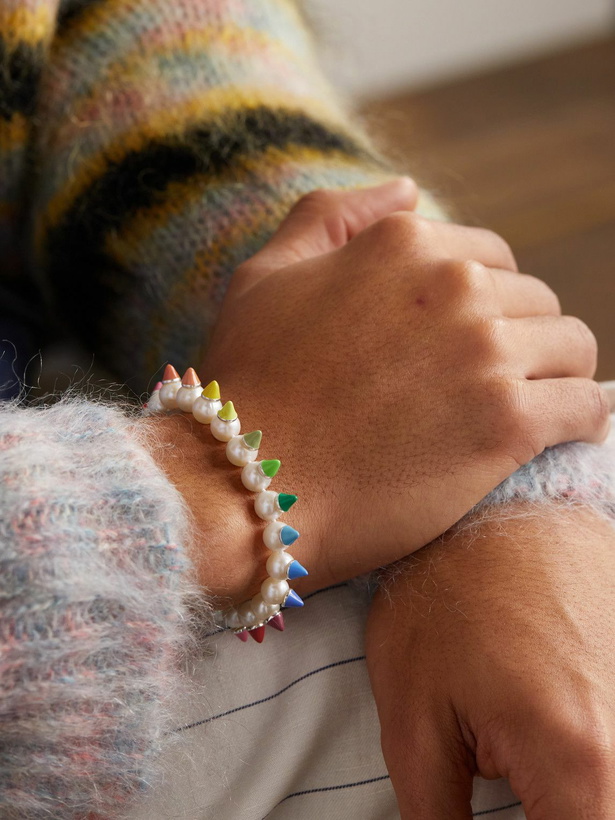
[270,467]
[228,412]
[286,501]
[253,440]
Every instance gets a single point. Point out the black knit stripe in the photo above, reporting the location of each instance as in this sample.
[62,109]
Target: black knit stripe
[71,10]
[75,248]
[20,71]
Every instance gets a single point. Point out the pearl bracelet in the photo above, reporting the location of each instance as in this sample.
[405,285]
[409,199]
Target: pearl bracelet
[188,395]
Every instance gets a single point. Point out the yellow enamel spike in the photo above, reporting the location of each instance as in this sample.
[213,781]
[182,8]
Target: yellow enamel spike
[212,391]
[228,412]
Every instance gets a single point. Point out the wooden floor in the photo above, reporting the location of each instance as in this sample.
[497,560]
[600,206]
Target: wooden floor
[529,151]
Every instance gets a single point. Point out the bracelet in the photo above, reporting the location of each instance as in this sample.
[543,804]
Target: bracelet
[187,394]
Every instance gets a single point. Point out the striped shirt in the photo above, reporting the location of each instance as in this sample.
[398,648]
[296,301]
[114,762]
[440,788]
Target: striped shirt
[288,729]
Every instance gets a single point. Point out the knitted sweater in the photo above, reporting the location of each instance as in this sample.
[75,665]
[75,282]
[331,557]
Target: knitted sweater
[147,147]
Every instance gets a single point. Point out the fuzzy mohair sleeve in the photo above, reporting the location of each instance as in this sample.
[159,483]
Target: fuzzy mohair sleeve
[573,473]
[94,620]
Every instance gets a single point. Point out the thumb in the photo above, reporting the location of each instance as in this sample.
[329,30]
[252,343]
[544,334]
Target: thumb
[323,221]
[431,768]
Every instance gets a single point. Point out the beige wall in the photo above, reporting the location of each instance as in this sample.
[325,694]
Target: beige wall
[380,45]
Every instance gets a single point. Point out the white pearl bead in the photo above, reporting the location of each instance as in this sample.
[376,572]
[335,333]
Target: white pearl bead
[224,430]
[266,506]
[246,615]
[278,563]
[168,393]
[154,405]
[204,410]
[238,454]
[186,396]
[254,479]
[271,535]
[232,619]
[274,591]
[262,610]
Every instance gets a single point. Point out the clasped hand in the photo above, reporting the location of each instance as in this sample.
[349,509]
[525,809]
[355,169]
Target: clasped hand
[403,368]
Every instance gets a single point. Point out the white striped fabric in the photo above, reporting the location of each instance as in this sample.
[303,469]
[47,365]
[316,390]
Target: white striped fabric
[288,729]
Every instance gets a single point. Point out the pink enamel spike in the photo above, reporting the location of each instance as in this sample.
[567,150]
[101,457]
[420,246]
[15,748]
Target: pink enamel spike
[258,634]
[243,636]
[277,622]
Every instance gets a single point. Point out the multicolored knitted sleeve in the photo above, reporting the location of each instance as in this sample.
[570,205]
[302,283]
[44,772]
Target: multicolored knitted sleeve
[172,139]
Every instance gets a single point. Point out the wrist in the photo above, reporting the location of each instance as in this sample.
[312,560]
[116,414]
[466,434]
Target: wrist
[221,543]
[225,542]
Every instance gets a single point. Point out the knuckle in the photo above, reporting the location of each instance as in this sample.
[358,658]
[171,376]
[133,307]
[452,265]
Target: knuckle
[401,226]
[551,297]
[583,330]
[504,252]
[464,279]
[516,424]
[584,336]
[486,340]
[590,741]
[598,402]
[317,201]
[327,208]
[512,404]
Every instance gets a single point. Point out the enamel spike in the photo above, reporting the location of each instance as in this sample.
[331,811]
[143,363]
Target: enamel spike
[241,450]
[207,405]
[257,475]
[189,391]
[225,424]
[170,385]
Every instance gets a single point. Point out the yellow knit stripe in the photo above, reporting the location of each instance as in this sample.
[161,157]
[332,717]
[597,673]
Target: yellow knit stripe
[170,123]
[29,26]
[13,133]
[179,196]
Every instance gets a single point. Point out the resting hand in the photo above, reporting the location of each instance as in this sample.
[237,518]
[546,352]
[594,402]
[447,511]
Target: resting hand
[495,656]
[400,369]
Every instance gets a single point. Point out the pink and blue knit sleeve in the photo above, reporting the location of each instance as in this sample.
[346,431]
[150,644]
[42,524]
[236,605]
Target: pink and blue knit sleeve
[573,473]
[94,591]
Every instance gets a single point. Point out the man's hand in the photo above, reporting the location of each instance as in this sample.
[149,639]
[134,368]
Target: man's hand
[401,368]
[494,656]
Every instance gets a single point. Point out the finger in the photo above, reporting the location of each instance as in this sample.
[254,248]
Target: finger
[322,221]
[519,294]
[480,244]
[567,782]
[431,770]
[551,347]
[566,799]
[568,409]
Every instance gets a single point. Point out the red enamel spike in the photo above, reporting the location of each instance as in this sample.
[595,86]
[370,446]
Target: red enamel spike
[243,636]
[258,634]
[277,622]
